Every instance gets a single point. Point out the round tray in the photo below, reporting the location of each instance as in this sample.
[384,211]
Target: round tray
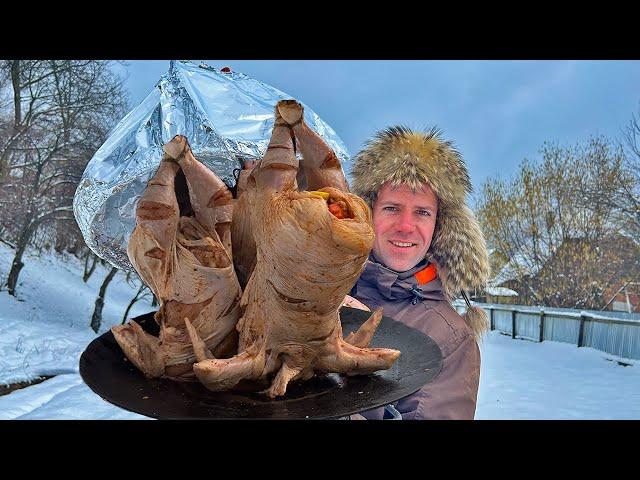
[104,369]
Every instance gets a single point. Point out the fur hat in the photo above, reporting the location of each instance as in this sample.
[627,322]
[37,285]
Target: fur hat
[402,156]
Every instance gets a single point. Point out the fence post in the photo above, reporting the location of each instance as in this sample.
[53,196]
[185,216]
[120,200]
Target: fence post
[493,325]
[513,324]
[581,332]
[541,335]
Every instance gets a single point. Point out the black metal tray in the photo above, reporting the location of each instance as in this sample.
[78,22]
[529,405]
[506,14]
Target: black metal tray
[104,369]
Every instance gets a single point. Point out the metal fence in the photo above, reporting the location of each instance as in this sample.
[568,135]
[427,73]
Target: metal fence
[599,330]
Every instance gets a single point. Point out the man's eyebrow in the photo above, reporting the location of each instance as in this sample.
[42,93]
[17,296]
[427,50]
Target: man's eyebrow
[427,207]
[390,203]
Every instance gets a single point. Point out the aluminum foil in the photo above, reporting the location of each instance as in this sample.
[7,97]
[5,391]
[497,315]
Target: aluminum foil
[226,116]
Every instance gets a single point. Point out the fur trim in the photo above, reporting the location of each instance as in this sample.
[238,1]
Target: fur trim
[398,155]
[401,156]
[477,321]
[459,250]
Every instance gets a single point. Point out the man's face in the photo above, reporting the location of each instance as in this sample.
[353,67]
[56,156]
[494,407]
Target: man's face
[403,221]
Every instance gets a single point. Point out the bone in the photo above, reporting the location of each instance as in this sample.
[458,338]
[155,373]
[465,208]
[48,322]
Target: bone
[224,374]
[140,348]
[284,376]
[351,360]
[278,168]
[210,198]
[200,349]
[362,338]
[157,211]
[321,165]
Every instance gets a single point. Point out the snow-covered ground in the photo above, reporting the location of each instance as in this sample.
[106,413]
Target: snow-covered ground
[520,379]
[45,331]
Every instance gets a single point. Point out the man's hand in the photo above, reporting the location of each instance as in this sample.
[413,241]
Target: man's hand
[353,303]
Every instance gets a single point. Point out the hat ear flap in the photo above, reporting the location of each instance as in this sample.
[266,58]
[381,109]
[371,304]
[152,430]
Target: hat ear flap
[477,321]
[459,250]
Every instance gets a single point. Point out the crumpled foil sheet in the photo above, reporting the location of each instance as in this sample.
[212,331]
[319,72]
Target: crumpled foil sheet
[226,116]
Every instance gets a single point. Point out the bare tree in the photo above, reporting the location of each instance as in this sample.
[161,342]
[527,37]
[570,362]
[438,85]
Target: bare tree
[62,110]
[629,191]
[142,293]
[91,260]
[96,317]
[554,222]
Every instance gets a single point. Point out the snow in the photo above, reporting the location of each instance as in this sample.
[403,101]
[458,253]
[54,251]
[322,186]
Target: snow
[46,330]
[63,397]
[513,269]
[521,379]
[500,291]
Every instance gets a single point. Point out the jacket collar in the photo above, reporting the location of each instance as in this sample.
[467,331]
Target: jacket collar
[400,285]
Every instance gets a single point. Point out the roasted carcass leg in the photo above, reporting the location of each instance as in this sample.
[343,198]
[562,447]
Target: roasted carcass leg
[307,260]
[244,246]
[186,262]
[320,168]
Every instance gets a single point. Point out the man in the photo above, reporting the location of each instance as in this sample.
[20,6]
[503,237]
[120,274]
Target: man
[428,249]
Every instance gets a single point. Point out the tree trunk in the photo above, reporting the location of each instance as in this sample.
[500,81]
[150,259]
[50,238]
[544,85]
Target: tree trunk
[96,318]
[16,265]
[133,300]
[17,118]
[89,270]
[17,97]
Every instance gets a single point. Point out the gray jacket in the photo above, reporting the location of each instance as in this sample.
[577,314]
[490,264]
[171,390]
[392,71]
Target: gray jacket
[452,394]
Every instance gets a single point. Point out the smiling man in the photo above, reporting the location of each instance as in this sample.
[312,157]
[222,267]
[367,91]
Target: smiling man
[428,249]
[404,223]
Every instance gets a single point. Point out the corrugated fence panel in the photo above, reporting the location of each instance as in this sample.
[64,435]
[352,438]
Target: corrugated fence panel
[617,334]
[591,334]
[619,340]
[502,320]
[528,325]
[561,329]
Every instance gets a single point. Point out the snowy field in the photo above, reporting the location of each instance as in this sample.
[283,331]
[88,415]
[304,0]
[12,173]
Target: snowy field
[45,330]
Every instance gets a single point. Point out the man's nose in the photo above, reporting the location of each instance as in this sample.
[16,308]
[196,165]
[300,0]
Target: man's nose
[405,223]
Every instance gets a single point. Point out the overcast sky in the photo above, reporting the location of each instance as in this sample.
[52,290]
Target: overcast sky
[496,112]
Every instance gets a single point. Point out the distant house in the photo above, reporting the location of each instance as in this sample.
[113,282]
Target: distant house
[601,274]
[607,269]
[505,285]
[500,295]
[625,299]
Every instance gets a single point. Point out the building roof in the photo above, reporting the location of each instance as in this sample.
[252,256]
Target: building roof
[500,292]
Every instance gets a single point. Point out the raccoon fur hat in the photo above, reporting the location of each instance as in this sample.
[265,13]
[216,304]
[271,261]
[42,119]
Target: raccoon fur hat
[402,156]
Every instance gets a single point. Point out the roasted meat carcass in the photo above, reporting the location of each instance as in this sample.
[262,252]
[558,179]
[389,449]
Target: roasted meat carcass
[310,248]
[186,261]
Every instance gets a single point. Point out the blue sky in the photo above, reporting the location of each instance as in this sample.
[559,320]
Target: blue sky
[496,112]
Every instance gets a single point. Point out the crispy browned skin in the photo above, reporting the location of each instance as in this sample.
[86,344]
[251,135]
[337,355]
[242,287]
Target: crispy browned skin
[306,262]
[186,262]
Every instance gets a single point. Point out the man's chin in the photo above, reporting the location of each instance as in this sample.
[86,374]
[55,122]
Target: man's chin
[401,265]
[398,263]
